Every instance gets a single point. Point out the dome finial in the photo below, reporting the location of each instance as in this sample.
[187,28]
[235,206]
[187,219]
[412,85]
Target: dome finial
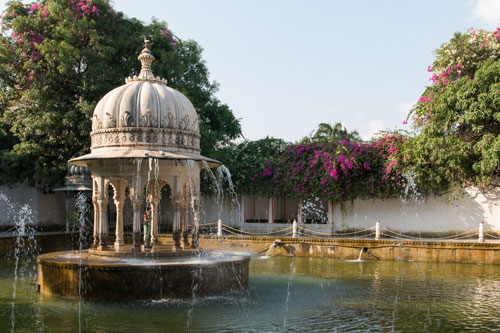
[146,42]
[146,59]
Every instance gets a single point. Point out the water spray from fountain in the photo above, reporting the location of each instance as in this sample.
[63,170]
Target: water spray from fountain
[25,246]
[225,174]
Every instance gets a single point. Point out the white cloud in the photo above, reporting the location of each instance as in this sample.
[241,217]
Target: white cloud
[487,12]
[405,108]
[360,117]
[374,126]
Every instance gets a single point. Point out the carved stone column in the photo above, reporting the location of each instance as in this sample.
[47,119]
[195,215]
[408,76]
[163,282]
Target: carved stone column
[176,233]
[102,203]
[185,226]
[136,196]
[270,210]
[331,208]
[195,232]
[119,199]
[95,233]
[154,199]
[299,211]
[136,225]
[154,220]
[95,241]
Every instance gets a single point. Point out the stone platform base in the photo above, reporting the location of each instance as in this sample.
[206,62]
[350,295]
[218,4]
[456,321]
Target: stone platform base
[103,275]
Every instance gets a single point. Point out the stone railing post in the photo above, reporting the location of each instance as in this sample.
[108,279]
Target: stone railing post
[294,229]
[481,232]
[219,228]
[377,230]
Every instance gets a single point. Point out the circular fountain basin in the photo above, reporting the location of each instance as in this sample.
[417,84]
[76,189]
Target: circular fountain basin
[98,276]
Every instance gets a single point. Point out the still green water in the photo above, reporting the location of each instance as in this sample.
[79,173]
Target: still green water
[285,294]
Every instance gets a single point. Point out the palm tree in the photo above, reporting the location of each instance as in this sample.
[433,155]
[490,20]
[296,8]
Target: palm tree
[328,133]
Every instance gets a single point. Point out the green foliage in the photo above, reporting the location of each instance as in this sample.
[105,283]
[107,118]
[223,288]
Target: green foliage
[457,119]
[59,57]
[247,158]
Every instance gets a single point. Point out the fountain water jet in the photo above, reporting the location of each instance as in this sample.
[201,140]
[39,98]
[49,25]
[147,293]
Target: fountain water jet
[144,119]
[25,245]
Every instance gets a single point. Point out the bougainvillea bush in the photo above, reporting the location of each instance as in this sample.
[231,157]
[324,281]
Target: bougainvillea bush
[339,171]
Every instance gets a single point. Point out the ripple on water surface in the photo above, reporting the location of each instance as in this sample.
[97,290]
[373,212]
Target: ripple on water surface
[323,295]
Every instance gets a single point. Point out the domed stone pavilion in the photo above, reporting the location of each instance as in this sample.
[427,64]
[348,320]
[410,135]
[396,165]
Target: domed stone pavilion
[145,135]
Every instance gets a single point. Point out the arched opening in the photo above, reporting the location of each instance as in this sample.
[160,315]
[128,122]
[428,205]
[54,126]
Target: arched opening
[166,209]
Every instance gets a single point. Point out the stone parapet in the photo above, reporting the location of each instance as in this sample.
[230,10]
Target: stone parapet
[470,252]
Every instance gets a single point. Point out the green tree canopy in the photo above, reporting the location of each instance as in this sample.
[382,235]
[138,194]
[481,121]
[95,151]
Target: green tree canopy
[457,118]
[59,57]
[247,158]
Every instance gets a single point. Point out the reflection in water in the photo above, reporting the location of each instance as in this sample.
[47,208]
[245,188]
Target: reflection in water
[326,295]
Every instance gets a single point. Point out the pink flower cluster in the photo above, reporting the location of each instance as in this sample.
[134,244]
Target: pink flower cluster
[165,34]
[31,39]
[84,8]
[36,7]
[443,76]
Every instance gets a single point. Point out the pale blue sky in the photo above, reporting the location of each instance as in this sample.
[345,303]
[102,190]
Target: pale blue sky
[284,66]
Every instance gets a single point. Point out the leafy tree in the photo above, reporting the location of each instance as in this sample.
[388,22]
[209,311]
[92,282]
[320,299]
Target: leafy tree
[59,57]
[247,158]
[328,133]
[457,118]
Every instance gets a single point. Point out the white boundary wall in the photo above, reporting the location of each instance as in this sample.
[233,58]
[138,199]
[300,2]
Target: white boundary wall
[46,209]
[432,214]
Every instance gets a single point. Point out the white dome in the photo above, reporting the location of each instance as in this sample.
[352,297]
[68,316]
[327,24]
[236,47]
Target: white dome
[145,114]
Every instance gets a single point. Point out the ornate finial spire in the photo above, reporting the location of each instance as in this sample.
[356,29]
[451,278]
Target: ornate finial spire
[146,42]
[146,59]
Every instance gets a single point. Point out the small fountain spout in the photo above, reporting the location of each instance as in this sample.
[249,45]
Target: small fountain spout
[276,243]
[360,254]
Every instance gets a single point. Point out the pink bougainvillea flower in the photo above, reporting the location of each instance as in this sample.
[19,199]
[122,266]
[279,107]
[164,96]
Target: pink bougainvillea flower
[405,122]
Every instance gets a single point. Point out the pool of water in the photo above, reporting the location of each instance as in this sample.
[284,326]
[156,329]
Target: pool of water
[285,294]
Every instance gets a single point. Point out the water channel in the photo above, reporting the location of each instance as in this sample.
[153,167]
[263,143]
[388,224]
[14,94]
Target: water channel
[285,294]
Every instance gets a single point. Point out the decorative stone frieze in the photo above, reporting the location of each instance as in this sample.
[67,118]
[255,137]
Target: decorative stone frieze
[163,139]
